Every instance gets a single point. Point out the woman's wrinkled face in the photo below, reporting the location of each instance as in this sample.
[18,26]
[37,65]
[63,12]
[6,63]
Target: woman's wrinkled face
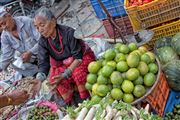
[44,26]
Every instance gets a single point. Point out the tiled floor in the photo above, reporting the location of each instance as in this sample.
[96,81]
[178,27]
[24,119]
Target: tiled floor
[80,16]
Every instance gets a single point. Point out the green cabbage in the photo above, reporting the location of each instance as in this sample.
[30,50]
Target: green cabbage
[166,54]
[176,43]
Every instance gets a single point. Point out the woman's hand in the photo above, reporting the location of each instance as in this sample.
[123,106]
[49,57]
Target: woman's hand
[57,79]
[26,56]
[17,97]
[36,86]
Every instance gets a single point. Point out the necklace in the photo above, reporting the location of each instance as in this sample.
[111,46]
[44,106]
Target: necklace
[60,42]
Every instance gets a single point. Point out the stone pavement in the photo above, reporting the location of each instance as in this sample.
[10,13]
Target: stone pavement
[79,15]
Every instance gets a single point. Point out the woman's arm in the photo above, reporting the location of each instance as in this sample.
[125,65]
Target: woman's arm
[74,64]
[14,98]
[4,101]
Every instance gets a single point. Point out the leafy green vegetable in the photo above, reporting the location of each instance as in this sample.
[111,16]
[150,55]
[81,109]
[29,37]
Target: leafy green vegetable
[70,111]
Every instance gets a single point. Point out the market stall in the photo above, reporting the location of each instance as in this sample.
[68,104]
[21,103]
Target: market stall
[135,80]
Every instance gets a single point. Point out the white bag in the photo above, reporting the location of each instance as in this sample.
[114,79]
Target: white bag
[98,46]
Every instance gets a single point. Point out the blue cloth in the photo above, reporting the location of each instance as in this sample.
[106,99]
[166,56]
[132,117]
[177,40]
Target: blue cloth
[28,41]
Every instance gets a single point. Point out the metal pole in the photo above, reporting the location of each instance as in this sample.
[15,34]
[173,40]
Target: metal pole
[111,20]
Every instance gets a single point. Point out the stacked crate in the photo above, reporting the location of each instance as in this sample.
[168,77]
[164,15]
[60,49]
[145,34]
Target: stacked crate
[117,11]
[161,16]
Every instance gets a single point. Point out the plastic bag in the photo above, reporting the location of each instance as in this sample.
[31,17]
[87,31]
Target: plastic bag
[18,63]
[98,46]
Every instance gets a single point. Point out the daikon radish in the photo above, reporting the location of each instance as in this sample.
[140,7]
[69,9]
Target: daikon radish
[82,114]
[110,114]
[114,113]
[118,118]
[136,110]
[67,117]
[90,114]
[108,108]
[94,118]
[76,110]
[103,114]
[134,115]
[146,109]
[117,115]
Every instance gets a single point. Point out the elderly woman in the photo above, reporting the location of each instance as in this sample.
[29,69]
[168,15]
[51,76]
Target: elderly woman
[67,57]
[19,39]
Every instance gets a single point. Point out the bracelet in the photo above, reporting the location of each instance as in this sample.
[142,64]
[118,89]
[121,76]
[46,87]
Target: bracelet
[67,73]
[9,100]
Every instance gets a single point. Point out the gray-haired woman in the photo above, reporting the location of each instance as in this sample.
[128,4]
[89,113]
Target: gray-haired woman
[67,56]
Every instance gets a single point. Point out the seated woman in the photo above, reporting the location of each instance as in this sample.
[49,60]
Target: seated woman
[67,57]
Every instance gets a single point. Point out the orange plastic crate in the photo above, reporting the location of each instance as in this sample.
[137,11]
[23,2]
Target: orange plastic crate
[158,97]
[153,13]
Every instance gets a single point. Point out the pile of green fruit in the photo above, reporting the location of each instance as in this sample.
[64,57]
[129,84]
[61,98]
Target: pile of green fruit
[174,115]
[126,71]
[42,113]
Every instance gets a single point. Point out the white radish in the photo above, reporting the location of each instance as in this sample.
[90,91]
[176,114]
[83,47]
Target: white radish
[117,115]
[76,110]
[103,114]
[67,117]
[146,109]
[114,113]
[90,114]
[94,118]
[110,114]
[134,114]
[82,114]
[136,110]
[108,108]
[118,118]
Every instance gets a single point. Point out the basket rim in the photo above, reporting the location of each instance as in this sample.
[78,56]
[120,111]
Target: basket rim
[152,88]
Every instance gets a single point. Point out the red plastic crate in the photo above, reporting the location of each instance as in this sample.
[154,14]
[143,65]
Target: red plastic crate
[158,97]
[123,22]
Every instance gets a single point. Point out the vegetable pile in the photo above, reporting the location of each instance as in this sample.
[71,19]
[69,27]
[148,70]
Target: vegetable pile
[174,115]
[118,110]
[138,2]
[8,74]
[42,113]
[168,50]
[126,72]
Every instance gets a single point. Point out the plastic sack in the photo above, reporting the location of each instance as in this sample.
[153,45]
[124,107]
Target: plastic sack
[98,46]
[18,63]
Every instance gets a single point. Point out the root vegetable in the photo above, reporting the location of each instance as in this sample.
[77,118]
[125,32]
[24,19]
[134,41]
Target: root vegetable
[82,114]
[134,115]
[103,114]
[67,117]
[114,112]
[108,108]
[117,115]
[146,109]
[90,114]
[118,118]
[136,110]
[110,114]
